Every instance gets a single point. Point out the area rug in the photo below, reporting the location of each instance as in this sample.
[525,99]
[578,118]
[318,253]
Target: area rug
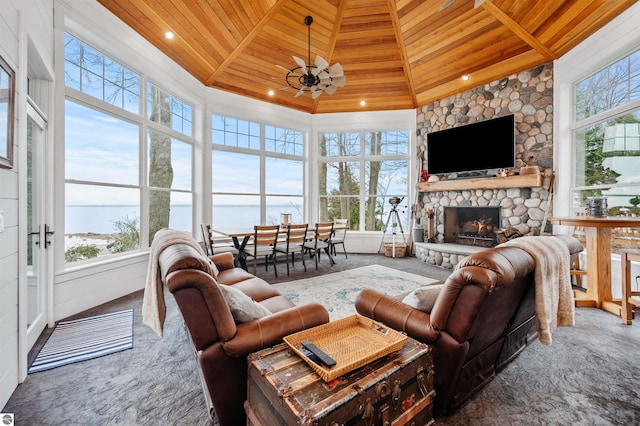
[85,338]
[337,292]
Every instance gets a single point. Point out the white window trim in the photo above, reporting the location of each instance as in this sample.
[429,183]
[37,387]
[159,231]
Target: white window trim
[617,39]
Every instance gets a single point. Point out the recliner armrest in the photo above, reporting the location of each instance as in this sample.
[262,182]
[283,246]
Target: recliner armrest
[223,261]
[397,315]
[267,331]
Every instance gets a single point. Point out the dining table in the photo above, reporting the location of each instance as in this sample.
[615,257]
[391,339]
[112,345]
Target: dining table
[241,240]
[598,240]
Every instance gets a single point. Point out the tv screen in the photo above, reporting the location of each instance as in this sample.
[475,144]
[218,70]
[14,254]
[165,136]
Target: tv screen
[484,145]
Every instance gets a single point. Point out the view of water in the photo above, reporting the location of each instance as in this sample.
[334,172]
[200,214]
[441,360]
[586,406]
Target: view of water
[101,219]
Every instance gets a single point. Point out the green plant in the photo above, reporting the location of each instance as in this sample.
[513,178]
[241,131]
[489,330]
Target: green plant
[127,235]
[635,201]
[81,252]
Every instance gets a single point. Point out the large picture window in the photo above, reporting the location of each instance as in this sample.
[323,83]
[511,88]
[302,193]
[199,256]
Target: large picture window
[257,174]
[607,141]
[358,174]
[122,159]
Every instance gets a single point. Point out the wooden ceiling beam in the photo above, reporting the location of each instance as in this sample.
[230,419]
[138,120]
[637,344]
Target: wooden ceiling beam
[337,24]
[512,25]
[255,31]
[395,20]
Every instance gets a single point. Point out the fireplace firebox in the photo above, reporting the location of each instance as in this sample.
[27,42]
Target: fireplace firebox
[471,225]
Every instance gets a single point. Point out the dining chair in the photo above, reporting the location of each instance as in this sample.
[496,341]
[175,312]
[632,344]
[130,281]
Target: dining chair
[214,245]
[296,236]
[339,234]
[320,241]
[265,238]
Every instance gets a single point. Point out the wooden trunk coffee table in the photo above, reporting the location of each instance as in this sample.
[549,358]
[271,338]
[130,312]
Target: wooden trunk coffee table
[394,390]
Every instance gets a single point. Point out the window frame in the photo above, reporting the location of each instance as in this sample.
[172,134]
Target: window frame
[262,153]
[145,125]
[362,159]
[579,125]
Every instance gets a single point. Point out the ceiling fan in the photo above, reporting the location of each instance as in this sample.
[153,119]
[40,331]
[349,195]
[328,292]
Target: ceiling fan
[447,3]
[316,78]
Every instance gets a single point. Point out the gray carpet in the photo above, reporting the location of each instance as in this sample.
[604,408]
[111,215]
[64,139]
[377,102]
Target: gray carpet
[586,377]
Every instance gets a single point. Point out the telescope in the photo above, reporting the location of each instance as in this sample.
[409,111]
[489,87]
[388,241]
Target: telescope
[394,201]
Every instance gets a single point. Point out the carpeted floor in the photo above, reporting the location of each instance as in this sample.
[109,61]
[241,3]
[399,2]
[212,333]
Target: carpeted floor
[586,377]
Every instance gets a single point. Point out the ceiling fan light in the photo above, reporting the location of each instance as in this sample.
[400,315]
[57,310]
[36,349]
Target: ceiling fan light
[316,77]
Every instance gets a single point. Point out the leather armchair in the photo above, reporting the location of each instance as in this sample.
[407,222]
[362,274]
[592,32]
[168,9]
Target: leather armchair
[482,319]
[219,343]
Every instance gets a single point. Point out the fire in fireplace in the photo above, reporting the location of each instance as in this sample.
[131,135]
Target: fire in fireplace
[471,225]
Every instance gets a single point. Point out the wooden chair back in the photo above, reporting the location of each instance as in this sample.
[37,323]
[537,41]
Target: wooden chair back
[297,234]
[207,238]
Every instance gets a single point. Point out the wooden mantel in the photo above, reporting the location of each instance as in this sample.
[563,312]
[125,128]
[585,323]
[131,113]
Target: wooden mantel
[519,181]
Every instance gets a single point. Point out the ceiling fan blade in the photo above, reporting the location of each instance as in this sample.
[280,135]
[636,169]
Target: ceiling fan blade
[339,81]
[315,92]
[319,65]
[445,5]
[336,70]
[477,3]
[301,64]
[300,92]
[283,68]
[331,89]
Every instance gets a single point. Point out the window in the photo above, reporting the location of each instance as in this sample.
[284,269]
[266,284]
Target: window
[257,174]
[359,173]
[104,151]
[607,141]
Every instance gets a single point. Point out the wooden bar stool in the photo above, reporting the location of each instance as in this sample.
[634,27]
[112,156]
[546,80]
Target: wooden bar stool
[627,302]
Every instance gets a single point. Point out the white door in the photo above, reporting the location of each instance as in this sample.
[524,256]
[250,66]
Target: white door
[39,236]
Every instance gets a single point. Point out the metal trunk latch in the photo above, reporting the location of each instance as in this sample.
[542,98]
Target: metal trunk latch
[421,379]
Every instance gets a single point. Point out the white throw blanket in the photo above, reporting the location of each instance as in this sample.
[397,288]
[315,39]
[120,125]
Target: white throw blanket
[554,304]
[153,306]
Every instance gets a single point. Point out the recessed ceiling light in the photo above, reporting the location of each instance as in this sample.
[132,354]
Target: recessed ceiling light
[465,77]
[363,103]
[271,93]
[168,35]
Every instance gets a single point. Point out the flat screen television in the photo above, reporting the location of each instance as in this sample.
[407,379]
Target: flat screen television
[481,146]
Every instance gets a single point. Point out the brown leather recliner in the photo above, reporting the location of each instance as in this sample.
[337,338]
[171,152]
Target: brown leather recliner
[482,319]
[220,344]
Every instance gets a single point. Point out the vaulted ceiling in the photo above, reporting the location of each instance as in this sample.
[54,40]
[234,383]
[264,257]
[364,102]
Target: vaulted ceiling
[396,54]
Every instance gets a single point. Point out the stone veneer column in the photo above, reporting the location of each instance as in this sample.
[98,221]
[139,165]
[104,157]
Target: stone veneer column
[529,96]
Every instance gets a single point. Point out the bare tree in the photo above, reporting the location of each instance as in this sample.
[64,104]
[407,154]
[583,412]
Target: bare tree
[160,168]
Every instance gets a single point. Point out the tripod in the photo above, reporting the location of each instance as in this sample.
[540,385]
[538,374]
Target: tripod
[393,215]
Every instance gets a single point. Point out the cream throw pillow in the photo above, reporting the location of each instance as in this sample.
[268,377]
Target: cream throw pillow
[423,298]
[243,308]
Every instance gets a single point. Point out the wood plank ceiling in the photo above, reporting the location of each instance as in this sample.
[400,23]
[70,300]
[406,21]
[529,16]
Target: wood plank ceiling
[396,54]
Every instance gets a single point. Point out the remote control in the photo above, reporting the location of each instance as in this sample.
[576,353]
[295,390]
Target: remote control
[306,352]
[324,358]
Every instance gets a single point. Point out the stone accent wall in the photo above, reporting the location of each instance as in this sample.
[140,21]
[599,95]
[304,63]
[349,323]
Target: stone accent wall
[529,96]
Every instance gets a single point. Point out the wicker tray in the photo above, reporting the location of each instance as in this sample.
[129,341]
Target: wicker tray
[352,342]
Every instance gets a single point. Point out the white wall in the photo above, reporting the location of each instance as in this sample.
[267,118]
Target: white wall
[9,47]
[20,20]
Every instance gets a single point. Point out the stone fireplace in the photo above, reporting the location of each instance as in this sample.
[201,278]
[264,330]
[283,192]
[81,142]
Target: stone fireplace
[471,225]
[529,96]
